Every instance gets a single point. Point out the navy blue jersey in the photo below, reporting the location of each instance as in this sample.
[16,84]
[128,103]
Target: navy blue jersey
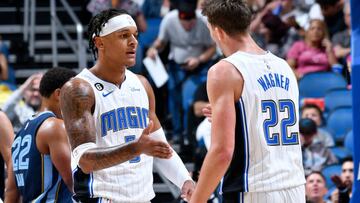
[36,177]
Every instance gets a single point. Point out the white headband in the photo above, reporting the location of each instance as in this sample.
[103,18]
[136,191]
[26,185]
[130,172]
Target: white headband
[117,23]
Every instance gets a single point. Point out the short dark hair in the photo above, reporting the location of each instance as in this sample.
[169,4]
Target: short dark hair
[317,108]
[187,9]
[97,22]
[312,106]
[347,159]
[316,172]
[53,79]
[307,126]
[233,16]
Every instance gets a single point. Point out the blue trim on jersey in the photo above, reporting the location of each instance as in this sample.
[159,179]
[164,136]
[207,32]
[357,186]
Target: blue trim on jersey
[48,169]
[91,185]
[52,194]
[83,184]
[246,137]
[221,186]
[36,177]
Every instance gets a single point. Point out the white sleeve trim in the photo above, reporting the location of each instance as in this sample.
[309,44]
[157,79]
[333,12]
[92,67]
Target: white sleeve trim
[80,150]
[173,168]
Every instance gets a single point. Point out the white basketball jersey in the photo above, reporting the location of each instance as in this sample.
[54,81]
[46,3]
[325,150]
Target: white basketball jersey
[267,153]
[120,116]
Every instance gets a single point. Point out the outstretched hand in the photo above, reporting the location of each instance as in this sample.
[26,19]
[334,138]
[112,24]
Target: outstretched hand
[152,147]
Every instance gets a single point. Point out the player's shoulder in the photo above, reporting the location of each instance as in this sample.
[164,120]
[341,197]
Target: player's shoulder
[145,83]
[223,70]
[76,83]
[52,126]
[76,88]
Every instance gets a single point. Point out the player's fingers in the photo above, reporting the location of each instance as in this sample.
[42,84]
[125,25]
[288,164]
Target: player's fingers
[148,129]
[161,144]
[162,153]
[165,150]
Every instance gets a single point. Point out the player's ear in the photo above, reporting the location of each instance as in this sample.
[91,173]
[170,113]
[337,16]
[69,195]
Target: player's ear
[98,42]
[57,94]
[219,33]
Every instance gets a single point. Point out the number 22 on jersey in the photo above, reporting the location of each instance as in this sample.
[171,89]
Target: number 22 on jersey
[275,111]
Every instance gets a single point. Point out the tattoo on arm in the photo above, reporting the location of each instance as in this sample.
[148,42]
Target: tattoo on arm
[77,102]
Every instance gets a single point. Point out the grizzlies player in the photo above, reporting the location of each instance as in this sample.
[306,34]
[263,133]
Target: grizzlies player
[255,151]
[41,150]
[106,112]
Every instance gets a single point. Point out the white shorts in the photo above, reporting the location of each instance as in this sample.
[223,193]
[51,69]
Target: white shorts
[291,195]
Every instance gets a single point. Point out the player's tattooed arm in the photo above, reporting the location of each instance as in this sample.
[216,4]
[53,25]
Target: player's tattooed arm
[77,105]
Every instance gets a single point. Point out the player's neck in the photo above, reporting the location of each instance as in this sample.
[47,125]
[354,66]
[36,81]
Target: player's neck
[243,43]
[109,73]
[47,105]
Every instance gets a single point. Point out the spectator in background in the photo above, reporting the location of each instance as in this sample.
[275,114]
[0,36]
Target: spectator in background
[6,139]
[313,54]
[23,102]
[331,11]
[3,61]
[341,39]
[343,182]
[276,25]
[155,8]
[316,188]
[313,112]
[3,67]
[96,6]
[191,51]
[315,155]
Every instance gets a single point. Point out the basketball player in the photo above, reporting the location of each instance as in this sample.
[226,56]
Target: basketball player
[6,139]
[255,149]
[41,150]
[109,114]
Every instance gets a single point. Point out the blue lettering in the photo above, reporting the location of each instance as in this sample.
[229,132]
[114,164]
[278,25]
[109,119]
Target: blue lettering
[287,82]
[145,115]
[267,82]
[108,122]
[277,80]
[132,117]
[262,83]
[121,118]
[271,77]
[274,80]
[138,111]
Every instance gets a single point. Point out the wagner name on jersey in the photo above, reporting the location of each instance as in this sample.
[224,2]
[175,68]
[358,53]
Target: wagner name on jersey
[267,153]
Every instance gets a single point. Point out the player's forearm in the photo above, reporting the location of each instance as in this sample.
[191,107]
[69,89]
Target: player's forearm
[213,169]
[11,193]
[100,158]
[173,169]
